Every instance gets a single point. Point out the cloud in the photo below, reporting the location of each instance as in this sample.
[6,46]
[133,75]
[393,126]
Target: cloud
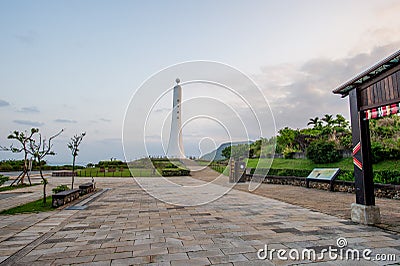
[31,109]
[28,123]
[65,121]
[4,103]
[26,38]
[298,92]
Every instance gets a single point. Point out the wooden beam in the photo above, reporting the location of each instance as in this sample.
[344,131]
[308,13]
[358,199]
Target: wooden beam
[379,77]
[362,158]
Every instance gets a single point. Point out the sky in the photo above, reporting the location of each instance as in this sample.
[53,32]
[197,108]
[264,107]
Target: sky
[75,65]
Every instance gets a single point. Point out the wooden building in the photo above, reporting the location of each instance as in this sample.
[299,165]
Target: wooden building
[372,94]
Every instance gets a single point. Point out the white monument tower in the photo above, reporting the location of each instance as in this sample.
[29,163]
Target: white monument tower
[175,145]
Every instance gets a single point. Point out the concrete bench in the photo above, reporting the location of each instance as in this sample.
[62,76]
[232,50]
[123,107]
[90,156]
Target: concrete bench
[65,197]
[86,188]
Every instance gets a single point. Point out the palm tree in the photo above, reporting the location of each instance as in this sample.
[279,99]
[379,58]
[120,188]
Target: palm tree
[341,122]
[328,119]
[315,121]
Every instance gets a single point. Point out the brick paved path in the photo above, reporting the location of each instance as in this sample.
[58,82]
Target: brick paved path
[332,203]
[127,226]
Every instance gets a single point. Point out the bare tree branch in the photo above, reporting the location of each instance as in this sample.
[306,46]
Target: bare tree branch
[40,148]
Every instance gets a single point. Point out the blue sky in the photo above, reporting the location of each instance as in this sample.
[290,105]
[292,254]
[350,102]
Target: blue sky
[75,64]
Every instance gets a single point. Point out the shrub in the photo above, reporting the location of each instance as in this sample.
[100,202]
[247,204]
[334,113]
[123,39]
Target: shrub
[381,152]
[6,167]
[321,151]
[381,177]
[170,165]
[3,179]
[60,188]
[377,151]
[346,175]
[387,177]
[283,172]
[288,153]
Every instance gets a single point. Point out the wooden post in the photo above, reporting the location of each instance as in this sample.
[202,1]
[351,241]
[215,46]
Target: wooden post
[362,159]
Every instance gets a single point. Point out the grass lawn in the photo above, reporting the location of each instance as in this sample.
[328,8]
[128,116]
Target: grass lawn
[344,164]
[95,172]
[8,188]
[34,206]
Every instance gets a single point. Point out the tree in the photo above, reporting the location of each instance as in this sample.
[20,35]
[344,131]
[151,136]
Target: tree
[73,145]
[322,151]
[385,138]
[341,122]
[39,148]
[315,121]
[286,139]
[328,119]
[226,152]
[24,139]
[237,151]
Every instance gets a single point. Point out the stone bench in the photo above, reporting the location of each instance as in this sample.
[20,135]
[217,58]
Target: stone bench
[86,188]
[65,197]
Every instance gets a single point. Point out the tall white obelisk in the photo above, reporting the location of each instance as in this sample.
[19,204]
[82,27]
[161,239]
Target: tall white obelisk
[175,145]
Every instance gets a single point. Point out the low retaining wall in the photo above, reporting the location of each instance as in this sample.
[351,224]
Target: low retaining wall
[62,173]
[381,190]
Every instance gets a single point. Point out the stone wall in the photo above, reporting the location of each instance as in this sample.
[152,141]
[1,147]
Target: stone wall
[381,190]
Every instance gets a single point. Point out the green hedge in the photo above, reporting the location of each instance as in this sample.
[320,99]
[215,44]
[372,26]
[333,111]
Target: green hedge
[381,177]
[175,172]
[387,177]
[60,188]
[283,172]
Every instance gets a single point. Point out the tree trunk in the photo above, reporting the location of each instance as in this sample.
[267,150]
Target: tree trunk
[44,183]
[25,166]
[73,172]
[44,192]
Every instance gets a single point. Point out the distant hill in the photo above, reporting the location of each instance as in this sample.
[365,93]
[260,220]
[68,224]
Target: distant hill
[217,154]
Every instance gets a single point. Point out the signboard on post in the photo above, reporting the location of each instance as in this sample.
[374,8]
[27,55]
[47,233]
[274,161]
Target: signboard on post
[323,175]
[237,171]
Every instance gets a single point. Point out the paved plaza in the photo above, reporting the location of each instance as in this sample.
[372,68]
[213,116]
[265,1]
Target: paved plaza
[125,226]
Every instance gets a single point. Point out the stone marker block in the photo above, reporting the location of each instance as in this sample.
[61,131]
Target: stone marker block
[363,214]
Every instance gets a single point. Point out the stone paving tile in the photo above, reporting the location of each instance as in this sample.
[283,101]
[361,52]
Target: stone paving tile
[111,256]
[131,261]
[46,251]
[29,258]
[38,263]
[79,247]
[165,263]
[205,253]
[179,249]
[150,252]
[126,226]
[96,263]
[227,258]
[58,255]
[236,250]
[192,262]
[75,260]
[170,257]
[254,262]
[99,251]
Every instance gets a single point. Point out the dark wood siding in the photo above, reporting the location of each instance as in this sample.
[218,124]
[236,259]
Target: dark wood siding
[382,92]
